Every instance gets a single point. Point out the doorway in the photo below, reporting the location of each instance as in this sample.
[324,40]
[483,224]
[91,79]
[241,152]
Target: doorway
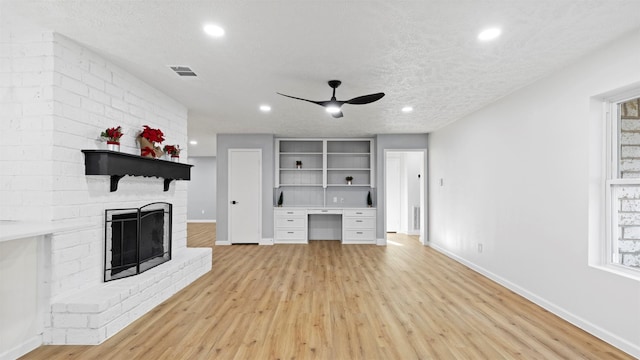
[405,192]
[245,196]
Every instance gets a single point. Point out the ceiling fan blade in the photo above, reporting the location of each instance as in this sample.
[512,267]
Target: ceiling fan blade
[337,115]
[365,99]
[321,103]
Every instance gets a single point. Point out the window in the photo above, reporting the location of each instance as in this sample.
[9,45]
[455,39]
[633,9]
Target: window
[623,185]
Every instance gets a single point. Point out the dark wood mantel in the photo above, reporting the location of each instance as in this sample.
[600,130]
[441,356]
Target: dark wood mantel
[117,164]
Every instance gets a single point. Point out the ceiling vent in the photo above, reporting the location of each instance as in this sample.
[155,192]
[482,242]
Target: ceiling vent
[183,70]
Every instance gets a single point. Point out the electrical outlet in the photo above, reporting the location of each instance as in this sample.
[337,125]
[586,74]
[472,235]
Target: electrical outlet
[341,200]
[335,199]
[479,248]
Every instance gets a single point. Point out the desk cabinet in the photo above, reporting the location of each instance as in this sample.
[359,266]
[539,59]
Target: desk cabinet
[291,225]
[359,226]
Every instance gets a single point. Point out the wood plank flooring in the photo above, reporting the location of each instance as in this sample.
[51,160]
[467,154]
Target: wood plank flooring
[329,301]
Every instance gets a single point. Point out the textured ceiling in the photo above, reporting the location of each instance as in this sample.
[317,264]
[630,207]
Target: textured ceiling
[420,53]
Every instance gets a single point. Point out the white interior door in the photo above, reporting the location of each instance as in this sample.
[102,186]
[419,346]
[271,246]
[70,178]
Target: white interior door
[393,192]
[245,196]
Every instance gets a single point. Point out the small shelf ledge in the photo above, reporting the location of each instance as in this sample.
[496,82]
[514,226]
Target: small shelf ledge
[305,185]
[346,185]
[303,169]
[116,165]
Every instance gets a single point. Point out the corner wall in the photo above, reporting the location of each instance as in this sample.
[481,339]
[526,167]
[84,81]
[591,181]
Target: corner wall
[517,179]
[201,194]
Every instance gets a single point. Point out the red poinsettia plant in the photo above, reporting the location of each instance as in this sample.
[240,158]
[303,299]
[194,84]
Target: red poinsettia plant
[112,135]
[153,135]
[173,150]
[148,139]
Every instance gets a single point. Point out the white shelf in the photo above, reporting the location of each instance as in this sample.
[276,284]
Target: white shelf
[299,153]
[348,169]
[348,153]
[352,185]
[294,169]
[310,185]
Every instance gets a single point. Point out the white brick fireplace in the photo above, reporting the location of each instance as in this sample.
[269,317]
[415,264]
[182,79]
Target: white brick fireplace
[57,96]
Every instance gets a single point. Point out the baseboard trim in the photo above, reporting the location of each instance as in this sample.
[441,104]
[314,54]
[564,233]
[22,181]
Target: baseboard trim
[381,242]
[223,242]
[22,349]
[201,221]
[266,242]
[595,330]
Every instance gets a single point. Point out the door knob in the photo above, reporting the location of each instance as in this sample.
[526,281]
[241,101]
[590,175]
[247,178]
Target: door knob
[234,202]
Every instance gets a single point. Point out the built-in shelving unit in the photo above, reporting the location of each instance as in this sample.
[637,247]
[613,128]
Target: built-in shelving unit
[349,158]
[308,154]
[314,171]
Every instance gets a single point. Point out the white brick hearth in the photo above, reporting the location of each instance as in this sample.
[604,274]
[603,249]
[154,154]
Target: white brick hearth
[95,314]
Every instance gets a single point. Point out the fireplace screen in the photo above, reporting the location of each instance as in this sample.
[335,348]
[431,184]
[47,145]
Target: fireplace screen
[136,239]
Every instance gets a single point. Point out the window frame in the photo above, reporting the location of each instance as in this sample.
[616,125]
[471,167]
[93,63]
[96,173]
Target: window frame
[613,178]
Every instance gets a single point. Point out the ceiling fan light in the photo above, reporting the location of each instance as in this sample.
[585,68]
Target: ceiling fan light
[489,34]
[333,109]
[213,30]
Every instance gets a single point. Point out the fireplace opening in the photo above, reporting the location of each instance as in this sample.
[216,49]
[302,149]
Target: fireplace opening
[136,239]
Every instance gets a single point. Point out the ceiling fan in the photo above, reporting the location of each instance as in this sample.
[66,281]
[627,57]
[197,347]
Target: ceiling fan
[333,106]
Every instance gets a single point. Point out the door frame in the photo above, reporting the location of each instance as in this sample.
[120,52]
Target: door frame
[229,185]
[424,224]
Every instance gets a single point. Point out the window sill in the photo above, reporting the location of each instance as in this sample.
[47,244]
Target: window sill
[619,270]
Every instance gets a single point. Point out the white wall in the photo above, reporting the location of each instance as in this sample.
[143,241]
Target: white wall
[517,180]
[201,189]
[20,311]
[26,118]
[413,168]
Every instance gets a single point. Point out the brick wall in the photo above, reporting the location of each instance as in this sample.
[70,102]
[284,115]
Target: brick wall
[628,196]
[26,104]
[57,96]
[91,94]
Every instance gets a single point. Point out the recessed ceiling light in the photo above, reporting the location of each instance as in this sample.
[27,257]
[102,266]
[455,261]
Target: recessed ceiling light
[489,34]
[213,30]
[265,108]
[407,109]
[193,142]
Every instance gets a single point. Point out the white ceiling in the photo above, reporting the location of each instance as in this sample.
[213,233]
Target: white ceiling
[420,53]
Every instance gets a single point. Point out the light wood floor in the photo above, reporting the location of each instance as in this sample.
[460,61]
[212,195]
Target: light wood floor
[328,301]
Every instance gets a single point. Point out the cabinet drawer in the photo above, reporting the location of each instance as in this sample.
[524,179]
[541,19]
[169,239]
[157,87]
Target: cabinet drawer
[360,212]
[325,211]
[290,222]
[359,235]
[291,235]
[289,213]
[359,223]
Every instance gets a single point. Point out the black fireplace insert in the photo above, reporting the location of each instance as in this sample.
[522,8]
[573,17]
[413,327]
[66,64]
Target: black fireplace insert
[136,239]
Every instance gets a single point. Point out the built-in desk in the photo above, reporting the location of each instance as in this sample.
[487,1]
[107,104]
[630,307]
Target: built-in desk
[297,225]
